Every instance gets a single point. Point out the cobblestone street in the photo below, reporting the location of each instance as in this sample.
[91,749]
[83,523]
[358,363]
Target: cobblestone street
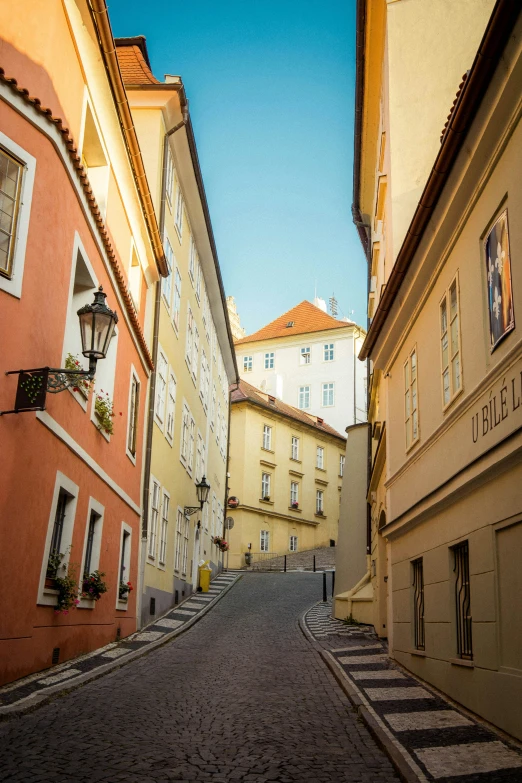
[242,696]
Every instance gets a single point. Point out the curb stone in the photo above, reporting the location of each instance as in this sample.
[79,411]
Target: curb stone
[45,695]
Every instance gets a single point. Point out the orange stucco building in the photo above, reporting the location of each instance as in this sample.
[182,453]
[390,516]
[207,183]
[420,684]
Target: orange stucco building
[75,214]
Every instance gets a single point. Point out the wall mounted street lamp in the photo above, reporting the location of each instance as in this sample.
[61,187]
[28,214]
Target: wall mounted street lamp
[203,488]
[97,323]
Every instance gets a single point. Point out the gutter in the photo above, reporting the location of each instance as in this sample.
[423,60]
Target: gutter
[100,16]
[498,31]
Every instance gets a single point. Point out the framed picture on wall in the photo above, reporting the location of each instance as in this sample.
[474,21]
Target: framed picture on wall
[499,289]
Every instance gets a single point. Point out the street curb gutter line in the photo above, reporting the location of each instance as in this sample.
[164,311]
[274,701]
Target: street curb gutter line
[405,765]
[44,696]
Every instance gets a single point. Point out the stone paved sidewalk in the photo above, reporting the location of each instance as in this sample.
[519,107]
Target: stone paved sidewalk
[427,737]
[36,689]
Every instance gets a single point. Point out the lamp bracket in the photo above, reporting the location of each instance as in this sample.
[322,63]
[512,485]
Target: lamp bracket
[189,510]
[34,384]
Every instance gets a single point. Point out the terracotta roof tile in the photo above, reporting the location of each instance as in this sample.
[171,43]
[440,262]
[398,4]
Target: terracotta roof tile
[245,391]
[306,317]
[133,66]
[454,105]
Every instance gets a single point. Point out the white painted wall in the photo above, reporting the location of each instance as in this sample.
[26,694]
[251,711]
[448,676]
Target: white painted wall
[289,374]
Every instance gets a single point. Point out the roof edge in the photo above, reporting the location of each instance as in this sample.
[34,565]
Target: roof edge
[135,40]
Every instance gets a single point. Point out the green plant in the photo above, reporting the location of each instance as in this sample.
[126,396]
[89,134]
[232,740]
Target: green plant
[350,620]
[54,563]
[93,586]
[78,384]
[67,587]
[124,590]
[221,543]
[104,408]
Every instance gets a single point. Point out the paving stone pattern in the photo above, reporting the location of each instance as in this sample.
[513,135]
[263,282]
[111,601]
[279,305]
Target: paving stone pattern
[302,561]
[242,696]
[177,617]
[446,745]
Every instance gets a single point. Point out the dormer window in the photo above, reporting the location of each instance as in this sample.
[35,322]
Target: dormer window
[290,324]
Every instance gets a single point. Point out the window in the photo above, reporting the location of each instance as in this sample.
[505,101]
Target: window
[213,407]
[180,519]
[264,541]
[328,395]
[267,437]
[169,176]
[190,337]
[166,282]
[193,259]
[17,170]
[294,492]
[95,160]
[199,457]
[304,397]
[192,438]
[199,275]
[319,458]
[265,486]
[171,407]
[269,361]
[293,544]
[328,352]
[305,356]
[204,381]
[87,563]
[153,519]
[164,528]
[161,388]
[176,305]
[11,173]
[342,460]
[247,363]
[295,447]
[411,414]
[213,529]
[450,344]
[186,534]
[134,405]
[319,501]
[56,554]
[195,353]
[462,600]
[185,428]
[418,604]
[179,212]
[124,575]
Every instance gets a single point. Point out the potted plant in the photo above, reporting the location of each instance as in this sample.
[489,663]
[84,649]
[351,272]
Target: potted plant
[295,504]
[266,497]
[124,590]
[221,543]
[81,385]
[104,410]
[93,586]
[67,587]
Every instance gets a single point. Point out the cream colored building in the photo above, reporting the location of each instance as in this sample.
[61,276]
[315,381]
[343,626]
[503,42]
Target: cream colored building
[235,322]
[444,336]
[286,469]
[193,350]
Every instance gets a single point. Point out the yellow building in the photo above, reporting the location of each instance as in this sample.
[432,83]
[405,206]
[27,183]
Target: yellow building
[410,60]
[286,469]
[193,350]
[444,336]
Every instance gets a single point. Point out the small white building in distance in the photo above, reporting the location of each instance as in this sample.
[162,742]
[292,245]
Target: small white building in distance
[308,359]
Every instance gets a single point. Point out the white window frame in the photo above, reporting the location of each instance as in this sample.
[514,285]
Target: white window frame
[134,378]
[154,515]
[171,406]
[266,481]
[452,355]
[264,540]
[269,360]
[189,344]
[329,352]
[178,216]
[294,447]
[213,407]
[319,501]
[176,299]
[125,528]
[411,399]
[47,596]
[13,284]
[328,394]
[319,457]
[195,354]
[304,395]
[342,463]
[166,282]
[292,546]
[294,492]
[267,437]
[305,355]
[185,543]
[248,362]
[164,528]
[92,507]
[161,388]
[193,260]
[180,523]
[169,177]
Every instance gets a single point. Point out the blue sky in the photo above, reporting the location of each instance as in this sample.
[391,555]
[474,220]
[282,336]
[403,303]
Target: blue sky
[271,88]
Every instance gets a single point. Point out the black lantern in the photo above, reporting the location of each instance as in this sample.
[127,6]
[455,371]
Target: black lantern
[97,323]
[202,488]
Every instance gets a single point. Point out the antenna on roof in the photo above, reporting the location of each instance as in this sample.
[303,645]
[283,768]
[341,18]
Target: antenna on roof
[333,305]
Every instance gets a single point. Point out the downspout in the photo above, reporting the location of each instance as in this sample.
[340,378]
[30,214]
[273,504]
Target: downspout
[227,465]
[152,386]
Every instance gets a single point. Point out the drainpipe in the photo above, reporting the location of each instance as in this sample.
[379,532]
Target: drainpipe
[152,387]
[226,472]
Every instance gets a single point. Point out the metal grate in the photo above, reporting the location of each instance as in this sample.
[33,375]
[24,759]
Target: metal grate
[463,601]
[152,608]
[418,604]
[56,655]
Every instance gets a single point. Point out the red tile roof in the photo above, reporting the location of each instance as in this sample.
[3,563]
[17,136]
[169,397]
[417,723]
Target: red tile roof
[454,104]
[306,317]
[134,65]
[245,391]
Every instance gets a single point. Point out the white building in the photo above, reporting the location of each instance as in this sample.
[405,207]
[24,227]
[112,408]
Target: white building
[309,360]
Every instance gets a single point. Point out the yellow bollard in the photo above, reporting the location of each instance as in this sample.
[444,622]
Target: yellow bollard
[205,572]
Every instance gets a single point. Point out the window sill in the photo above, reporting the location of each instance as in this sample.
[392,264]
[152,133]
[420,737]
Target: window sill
[320,516]
[323,470]
[86,603]
[412,445]
[122,605]
[268,502]
[420,653]
[270,451]
[445,408]
[462,662]
[131,456]
[298,510]
[179,232]
[102,432]
[292,459]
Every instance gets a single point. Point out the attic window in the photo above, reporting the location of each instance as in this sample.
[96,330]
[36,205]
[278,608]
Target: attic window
[290,323]
[271,400]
